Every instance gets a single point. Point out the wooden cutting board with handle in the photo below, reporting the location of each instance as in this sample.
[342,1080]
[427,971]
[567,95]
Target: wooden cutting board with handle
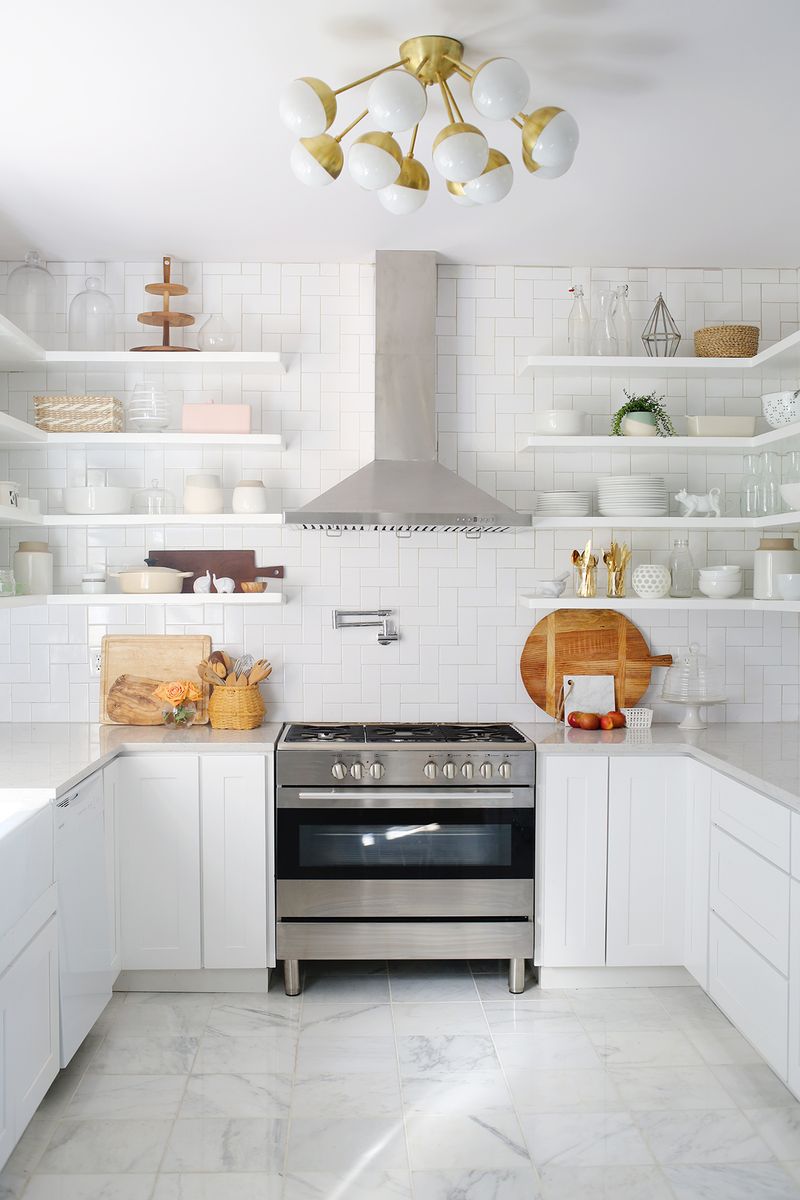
[575,641]
[238,565]
[130,665]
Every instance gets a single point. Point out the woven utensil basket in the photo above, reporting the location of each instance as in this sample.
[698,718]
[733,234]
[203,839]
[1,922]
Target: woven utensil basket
[726,341]
[79,414]
[236,708]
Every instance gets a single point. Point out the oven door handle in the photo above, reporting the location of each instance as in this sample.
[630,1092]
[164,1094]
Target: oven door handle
[445,797]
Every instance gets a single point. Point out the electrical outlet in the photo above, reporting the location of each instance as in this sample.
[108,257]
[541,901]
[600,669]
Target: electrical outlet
[94,661]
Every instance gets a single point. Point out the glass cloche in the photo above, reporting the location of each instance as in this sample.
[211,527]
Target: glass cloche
[91,318]
[687,682]
[30,298]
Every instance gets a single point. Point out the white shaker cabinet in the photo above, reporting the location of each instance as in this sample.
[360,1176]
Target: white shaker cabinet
[647,805]
[158,838]
[233,802]
[572,829]
[794,989]
[698,860]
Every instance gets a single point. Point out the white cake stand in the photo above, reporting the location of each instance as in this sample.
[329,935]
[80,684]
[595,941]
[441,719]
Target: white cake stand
[693,718]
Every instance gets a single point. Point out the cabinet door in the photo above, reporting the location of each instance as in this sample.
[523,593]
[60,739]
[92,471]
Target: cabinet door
[158,832]
[752,896]
[751,992]
[32,1024]
[110,789]
[794,992]
[7,1138]
[234,814]
[572,815]
[698,829]
[646,861]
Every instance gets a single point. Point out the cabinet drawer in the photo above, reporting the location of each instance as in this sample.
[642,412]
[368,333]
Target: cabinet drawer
[752,895]
[751,992]
[759,822]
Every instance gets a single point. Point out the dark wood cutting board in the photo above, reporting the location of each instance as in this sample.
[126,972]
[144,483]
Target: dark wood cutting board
[238,565]
[587,642]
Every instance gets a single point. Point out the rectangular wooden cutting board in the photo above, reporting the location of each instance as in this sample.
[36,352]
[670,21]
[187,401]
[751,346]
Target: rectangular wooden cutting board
[131,667]
[238,565]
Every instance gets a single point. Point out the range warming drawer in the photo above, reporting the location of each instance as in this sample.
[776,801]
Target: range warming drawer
[405,939]
[310,899]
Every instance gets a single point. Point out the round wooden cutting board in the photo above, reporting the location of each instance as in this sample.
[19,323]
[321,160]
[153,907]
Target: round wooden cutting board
[574,641]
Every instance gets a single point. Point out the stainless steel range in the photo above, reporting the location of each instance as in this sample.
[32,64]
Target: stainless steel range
[405,841]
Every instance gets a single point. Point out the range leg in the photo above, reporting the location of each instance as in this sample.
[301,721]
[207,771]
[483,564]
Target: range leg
[291,977]
[516,975]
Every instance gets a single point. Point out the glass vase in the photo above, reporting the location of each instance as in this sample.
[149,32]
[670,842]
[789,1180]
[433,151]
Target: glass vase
[181,716]
[769,484]
[605,341]
[216,334]
[748,488]
[681,569]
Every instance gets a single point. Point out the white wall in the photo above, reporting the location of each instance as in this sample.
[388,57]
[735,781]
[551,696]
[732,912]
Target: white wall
[455,599]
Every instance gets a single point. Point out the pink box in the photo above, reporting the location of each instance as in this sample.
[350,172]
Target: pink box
[215,418]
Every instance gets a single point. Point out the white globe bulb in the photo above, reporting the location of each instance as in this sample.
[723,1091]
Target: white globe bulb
[553,172]
[317,161]
[557,142]
[494,183]
[307,107]
[457,195]
[409,192]
[374,161]
[500,89]
[460,152]
[396,101]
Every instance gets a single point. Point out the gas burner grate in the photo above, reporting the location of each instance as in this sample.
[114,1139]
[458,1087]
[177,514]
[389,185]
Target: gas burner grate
[442,733]
[323,734]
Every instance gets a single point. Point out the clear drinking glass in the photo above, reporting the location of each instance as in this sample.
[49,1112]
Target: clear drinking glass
[748,488]
[769,484]
[604,332]
[681,568]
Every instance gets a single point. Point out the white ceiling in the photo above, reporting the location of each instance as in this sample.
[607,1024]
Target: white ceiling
[131,130]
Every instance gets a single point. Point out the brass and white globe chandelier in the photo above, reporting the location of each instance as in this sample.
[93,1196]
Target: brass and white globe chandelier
[397,100]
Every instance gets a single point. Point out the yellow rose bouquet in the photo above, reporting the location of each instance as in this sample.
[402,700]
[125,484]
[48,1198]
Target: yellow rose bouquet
[180,697]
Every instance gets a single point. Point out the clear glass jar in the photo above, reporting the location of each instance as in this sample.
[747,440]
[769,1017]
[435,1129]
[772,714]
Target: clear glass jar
[91,318]
[681,569]
[154,501]
[769,484]
[216,334]
[605,341]
[8,586]
[622,318]
[791,467]
[579,327]
[748,488]
[30,298]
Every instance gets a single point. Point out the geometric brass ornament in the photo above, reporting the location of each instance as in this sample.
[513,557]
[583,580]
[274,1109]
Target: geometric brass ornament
[661,336]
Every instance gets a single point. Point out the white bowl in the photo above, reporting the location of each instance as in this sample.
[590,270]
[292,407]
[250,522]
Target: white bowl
[720,589]
[721,426]
[791,495]
[789,586]
[559,421]
[83,501]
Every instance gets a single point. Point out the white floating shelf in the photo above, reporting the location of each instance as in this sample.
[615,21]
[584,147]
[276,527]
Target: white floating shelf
[15,433]
[104,360]
[133,519]
[117,598]
[21,601]
[788,520]
[659,445]
[782,358]
[9,515]
[694,604]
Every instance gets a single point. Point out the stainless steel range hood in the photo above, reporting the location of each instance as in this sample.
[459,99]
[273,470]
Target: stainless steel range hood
[405,488]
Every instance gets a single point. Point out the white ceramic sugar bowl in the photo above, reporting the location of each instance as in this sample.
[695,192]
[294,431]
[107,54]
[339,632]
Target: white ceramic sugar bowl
[249,496]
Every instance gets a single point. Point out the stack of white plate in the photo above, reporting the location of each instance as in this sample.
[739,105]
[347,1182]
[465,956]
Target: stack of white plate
[563,504]
[632,496]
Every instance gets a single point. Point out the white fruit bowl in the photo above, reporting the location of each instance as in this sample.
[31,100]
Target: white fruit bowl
[562,422]
[720,587]
[86,501]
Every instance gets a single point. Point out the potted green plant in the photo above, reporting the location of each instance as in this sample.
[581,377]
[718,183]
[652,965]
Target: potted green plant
[642,416]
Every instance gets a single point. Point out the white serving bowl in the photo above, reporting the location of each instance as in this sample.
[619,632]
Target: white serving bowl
[559,421]
[791,495]
[789,586]
[720,572]
[721,426]
[84,501]
[720,588]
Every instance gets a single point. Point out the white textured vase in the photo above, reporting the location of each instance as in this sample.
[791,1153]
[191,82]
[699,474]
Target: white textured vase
[651,581]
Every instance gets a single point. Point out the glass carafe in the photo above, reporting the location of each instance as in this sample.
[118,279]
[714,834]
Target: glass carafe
[769,484]
[748,488]
[681,569]
[604,332]
[579,330]
[622,318]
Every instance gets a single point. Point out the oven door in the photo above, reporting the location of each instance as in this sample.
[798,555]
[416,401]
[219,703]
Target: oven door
[403,842]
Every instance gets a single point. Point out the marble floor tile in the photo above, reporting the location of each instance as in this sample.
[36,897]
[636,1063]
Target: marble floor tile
[584,1139]
[507,1183]
[495,987]
[439,1020]
[226,1145]
[721,1047]
[541,1051]
[491,1138]
[63,1086]
[648,1049]
[235,1018]
[244,1095]
[343,1144]
[250,1054]
[555,1091]
[605,1183]
[763,1181]
[25,1156]
[780,1129]
[429,988]
[459,1053]
[145,1013]
[346,1020]
[754,1086]
[91,1187]
[354,1095]
[451,1093]
[531,1018]
[344,1056]
[98,1147]
[162,1055]
[702,1136]
[242,1186]
[357,1184]
[331,988]
[132,1096]
[643,1088]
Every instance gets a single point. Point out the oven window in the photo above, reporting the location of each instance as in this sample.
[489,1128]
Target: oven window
[423,843]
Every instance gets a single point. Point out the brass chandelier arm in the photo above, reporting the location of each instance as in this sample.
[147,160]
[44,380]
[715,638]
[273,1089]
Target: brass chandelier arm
[446,99]
[465,71]
[401,62]
[352,125]
[453,101]
[413,141]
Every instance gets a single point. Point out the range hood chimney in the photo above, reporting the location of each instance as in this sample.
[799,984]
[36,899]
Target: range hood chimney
[405,489]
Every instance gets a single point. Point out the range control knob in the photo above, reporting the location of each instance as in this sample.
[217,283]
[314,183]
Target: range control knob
[487,770]
[449,770]
[429,770]
[356,770]
[338,770]
[377,771]
[504,770]
[468,770]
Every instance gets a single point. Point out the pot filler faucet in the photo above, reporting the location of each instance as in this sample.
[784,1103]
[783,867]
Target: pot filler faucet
[372,617]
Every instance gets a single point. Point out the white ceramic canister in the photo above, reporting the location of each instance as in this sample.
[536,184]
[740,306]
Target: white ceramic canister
[33,569]
[249,496]
[774,557]
[203,494]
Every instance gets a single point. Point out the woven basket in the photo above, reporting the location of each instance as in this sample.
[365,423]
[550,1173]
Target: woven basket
[79,414]
[236,708]
[726,341]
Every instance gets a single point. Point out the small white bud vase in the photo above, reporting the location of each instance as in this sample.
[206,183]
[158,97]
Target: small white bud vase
[651,581]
